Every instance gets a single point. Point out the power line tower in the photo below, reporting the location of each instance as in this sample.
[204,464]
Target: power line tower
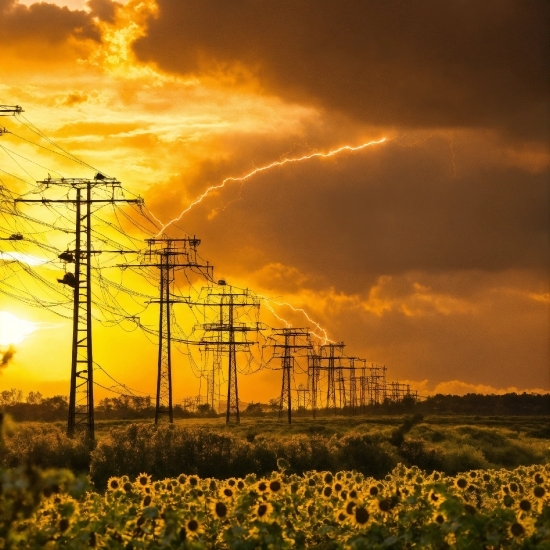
[288,340]
[220,336]
[332,354]
[7,110]
[81,395]
[302,394]
[169,255]
[353,378]
[378,387]
[314,374]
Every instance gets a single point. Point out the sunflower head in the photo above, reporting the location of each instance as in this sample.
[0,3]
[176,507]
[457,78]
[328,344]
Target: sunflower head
[144,480]
[263,511]
[360,516]
[193,527]
[219,509]
[517,529]
[113,484]
[275,485]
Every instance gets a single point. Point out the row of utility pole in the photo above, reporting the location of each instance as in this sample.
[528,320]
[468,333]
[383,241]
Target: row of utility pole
[224,337]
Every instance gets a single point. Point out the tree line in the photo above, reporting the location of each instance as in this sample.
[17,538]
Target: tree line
[35,407]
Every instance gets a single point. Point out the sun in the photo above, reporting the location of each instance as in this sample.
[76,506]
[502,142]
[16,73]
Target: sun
[13,330]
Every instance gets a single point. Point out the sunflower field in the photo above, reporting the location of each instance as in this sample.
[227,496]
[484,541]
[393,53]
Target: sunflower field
[408,508]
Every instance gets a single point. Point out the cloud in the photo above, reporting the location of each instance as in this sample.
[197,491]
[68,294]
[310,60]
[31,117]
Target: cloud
[386,210]
[429,64]
[458,387]
[7,356]
[44,22]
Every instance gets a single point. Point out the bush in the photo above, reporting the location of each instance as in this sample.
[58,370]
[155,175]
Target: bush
[360,452]
[45,446]
[168,451]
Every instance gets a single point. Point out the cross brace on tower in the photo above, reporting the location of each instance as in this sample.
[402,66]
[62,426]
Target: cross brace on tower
[81,394]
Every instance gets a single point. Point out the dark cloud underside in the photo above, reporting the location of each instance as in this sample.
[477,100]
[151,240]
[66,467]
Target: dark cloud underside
[431,63]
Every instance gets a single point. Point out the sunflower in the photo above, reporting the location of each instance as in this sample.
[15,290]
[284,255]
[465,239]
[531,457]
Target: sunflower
[193,527]
[144,480]
[350,505]
[539,491]
[275,485]
[114,483]
[341,516]
[182,478]
[517,529]
[262,486]
[227,492]
[360,516]
[439,517]
[385,505]
[193,481]
[263,510]
[219,509]
[461,483]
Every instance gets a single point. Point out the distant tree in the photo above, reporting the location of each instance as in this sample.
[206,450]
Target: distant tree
[34,398]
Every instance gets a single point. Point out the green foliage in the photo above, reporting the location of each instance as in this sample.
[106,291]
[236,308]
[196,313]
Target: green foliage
[46,446]
[319,510]
[168,450]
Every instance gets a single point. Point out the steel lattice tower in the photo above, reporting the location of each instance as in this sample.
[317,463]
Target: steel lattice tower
[221,336]
[314,368]
[332,354]
[167,255]
[81,394]
[291,343]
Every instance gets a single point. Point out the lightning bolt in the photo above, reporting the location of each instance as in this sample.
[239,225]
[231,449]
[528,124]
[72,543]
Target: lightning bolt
[332,153]
[268,301]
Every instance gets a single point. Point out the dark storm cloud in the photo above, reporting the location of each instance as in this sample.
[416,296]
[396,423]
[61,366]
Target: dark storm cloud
[430,63]
[43,22]
[387,210]
[104,9]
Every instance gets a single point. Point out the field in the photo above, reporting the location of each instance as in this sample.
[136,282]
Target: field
[333,482]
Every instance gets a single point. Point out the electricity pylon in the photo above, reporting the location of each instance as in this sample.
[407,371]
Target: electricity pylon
[168,255]
[220,336]
[332,354]
[290,344]
[314,374]
[81,395]
[353,382]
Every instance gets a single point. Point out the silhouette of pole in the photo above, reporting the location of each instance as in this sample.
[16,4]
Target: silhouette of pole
[81,392]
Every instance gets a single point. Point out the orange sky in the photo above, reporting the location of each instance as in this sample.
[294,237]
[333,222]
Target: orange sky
[427,253]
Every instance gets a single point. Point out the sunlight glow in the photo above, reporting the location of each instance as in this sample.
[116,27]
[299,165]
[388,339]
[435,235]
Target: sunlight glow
[14,330]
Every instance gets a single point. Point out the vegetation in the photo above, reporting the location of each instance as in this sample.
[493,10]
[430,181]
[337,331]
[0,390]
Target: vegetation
[362,481]
[407,509]
[210,449]
[35,407]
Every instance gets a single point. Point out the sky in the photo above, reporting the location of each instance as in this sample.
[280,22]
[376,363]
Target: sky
[427,252]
